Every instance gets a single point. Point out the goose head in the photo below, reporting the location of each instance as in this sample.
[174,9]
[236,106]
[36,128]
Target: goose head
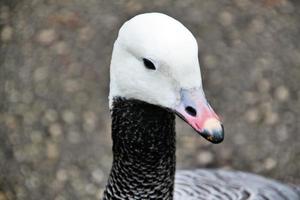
[155,60]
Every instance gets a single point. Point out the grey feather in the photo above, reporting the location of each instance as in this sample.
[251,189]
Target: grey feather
[227,185]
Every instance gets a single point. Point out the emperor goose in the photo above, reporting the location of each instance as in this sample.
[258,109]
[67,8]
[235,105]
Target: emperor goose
[154,75]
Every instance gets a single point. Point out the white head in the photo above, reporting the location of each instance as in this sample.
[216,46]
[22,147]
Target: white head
[155,59]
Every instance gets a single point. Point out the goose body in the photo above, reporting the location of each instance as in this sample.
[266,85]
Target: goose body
[155,74]
[206,184]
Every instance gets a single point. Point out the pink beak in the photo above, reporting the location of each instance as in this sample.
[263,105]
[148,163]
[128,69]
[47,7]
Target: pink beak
[195,110]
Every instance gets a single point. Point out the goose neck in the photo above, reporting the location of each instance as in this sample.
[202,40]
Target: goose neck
[143,151]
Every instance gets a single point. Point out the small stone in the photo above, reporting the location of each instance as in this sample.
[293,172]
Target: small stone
[205,157]
[66,18]
[270,163]
[226,18]
[6,33]
[3,196]
[10,122]
[252,115]
[40,74]
[36,137]
[60,197]
[98,175]
[90,119]
[61,48]
[210,61]
[51,115]
[55,130]
[257,26]
[47,36]
[52,150]
[271,118]
[86,33]
[264,85]
[73,172]
[61,175]
[282,93]
[68,116]
[242,3]
[133,6]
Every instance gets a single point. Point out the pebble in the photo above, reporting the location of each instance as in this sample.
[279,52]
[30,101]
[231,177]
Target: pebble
[264,85]
[3,196]
[270,163]
[36,136]
[86,33]
[210,61]
[61,175]
[271,118]
[252,115]
[90,119]
[52,150]
[40,74]
[242,3]
[10,121]
[282,93]
[133,6]
[97,175]
[55,130]
[226,18]
[256,26]
[47,36]
[61,48]
[51,115]
[6,33]
[68,116]
[205,157]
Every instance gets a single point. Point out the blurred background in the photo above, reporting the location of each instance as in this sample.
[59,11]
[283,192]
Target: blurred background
[55,124]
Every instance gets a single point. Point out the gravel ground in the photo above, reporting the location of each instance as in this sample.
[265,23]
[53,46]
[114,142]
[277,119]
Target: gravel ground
[54,120]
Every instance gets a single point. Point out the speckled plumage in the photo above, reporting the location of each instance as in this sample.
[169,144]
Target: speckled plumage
[144,163]
[144,151]
[207,184]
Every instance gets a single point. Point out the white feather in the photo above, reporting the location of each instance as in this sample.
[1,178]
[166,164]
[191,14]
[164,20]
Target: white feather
[172,48]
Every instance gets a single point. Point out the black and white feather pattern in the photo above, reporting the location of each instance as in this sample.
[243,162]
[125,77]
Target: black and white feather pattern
[144,164]
[226,185]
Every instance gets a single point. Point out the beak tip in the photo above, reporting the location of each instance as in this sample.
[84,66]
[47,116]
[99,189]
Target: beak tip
[215,136]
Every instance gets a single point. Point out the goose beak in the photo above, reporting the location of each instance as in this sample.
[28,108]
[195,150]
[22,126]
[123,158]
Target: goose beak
[196,111]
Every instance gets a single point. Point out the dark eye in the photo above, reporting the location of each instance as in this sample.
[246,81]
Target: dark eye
[148,64]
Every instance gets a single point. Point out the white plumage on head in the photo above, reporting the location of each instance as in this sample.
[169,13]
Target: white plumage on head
[169,45]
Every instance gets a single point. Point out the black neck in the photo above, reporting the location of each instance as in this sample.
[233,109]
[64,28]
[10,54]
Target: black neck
[143,152]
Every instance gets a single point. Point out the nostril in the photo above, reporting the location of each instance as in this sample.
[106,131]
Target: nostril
[191,111]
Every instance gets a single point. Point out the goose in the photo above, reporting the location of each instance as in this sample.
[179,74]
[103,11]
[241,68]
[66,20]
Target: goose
[155,75]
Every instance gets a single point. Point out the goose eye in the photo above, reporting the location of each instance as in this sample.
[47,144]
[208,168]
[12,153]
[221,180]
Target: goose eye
[148,64]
